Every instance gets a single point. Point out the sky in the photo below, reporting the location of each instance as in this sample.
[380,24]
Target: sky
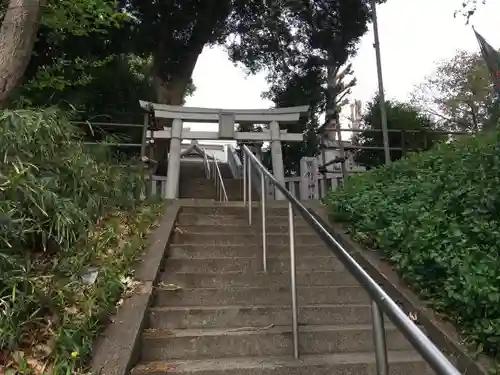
[414,36]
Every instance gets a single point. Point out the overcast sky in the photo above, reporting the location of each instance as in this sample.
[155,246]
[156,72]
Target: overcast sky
[414,35]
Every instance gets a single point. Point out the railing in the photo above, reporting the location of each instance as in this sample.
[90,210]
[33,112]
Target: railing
[206,163]
[381,302]
[234,162]
[219,182]
[214,172]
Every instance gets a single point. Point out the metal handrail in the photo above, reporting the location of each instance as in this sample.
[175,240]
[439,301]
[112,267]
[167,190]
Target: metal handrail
[381,302]
[234,162]
[219,182]
[206,163]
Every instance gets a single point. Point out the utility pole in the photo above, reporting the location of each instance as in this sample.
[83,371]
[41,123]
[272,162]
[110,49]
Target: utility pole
[383,111]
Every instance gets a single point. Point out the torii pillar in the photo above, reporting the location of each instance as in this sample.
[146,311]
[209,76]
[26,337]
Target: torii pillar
[277,157]
[174,160]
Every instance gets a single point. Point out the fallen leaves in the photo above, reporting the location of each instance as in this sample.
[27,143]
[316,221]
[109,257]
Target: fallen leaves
[169,287]
[179,230]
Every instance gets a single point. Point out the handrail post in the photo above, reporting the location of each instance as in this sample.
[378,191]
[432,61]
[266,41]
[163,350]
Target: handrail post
[249,185]
[263,211]
[245,163]
[295,313]
[216,183]
[215,172]
[379,340]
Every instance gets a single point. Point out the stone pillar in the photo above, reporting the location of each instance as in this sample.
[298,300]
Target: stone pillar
[277,156]
[309,178]
[174,161]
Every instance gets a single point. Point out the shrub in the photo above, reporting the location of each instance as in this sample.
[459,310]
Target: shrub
[435,217]
[54,190]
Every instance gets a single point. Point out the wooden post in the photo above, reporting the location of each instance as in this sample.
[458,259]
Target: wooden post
[403,143]
[323,162]
[342,154]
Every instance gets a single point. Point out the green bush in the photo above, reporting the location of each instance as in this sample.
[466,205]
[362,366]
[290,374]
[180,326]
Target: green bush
[54,190]
[435,217]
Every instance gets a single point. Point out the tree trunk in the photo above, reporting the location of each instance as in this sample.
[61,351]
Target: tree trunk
[17,37]
[331,99]
[172,92]
[332,111]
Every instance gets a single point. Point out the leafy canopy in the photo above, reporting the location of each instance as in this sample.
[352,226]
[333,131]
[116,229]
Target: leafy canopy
[459,93]
[415,135]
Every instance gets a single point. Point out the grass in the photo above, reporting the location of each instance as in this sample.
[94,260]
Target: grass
[65,210]
[60,340]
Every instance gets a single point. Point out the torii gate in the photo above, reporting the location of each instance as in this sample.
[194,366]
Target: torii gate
[226,118]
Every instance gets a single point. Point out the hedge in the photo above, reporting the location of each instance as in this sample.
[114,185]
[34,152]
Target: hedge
[435,217]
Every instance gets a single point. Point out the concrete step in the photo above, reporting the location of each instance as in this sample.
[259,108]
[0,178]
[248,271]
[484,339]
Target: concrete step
[248,296]
[189,173]
[254,341]
[257,279]
[222,265]
[198,194]
[201,195]
[237,220]
[221,238]
[271,210]
[234,251]
[205,189]
[207,194]
[255,316]
[271,227]
[400,363]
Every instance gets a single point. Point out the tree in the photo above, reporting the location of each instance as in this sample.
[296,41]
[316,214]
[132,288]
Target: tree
[459,93]
[255,33]
[313,70]
[175,32]
[469,8]
[300,89]
[401,116]
[71,40]
[17,36]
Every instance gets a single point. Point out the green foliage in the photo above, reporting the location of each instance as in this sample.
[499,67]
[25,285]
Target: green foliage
[300,89]
[459,93]
[54,190]
[415,135]
[81,17]
[111,91]
[435,217]
[315,39]
[74,39]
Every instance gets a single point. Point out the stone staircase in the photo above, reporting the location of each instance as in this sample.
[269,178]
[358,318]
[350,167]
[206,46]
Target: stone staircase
[216,312]
[194,184]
